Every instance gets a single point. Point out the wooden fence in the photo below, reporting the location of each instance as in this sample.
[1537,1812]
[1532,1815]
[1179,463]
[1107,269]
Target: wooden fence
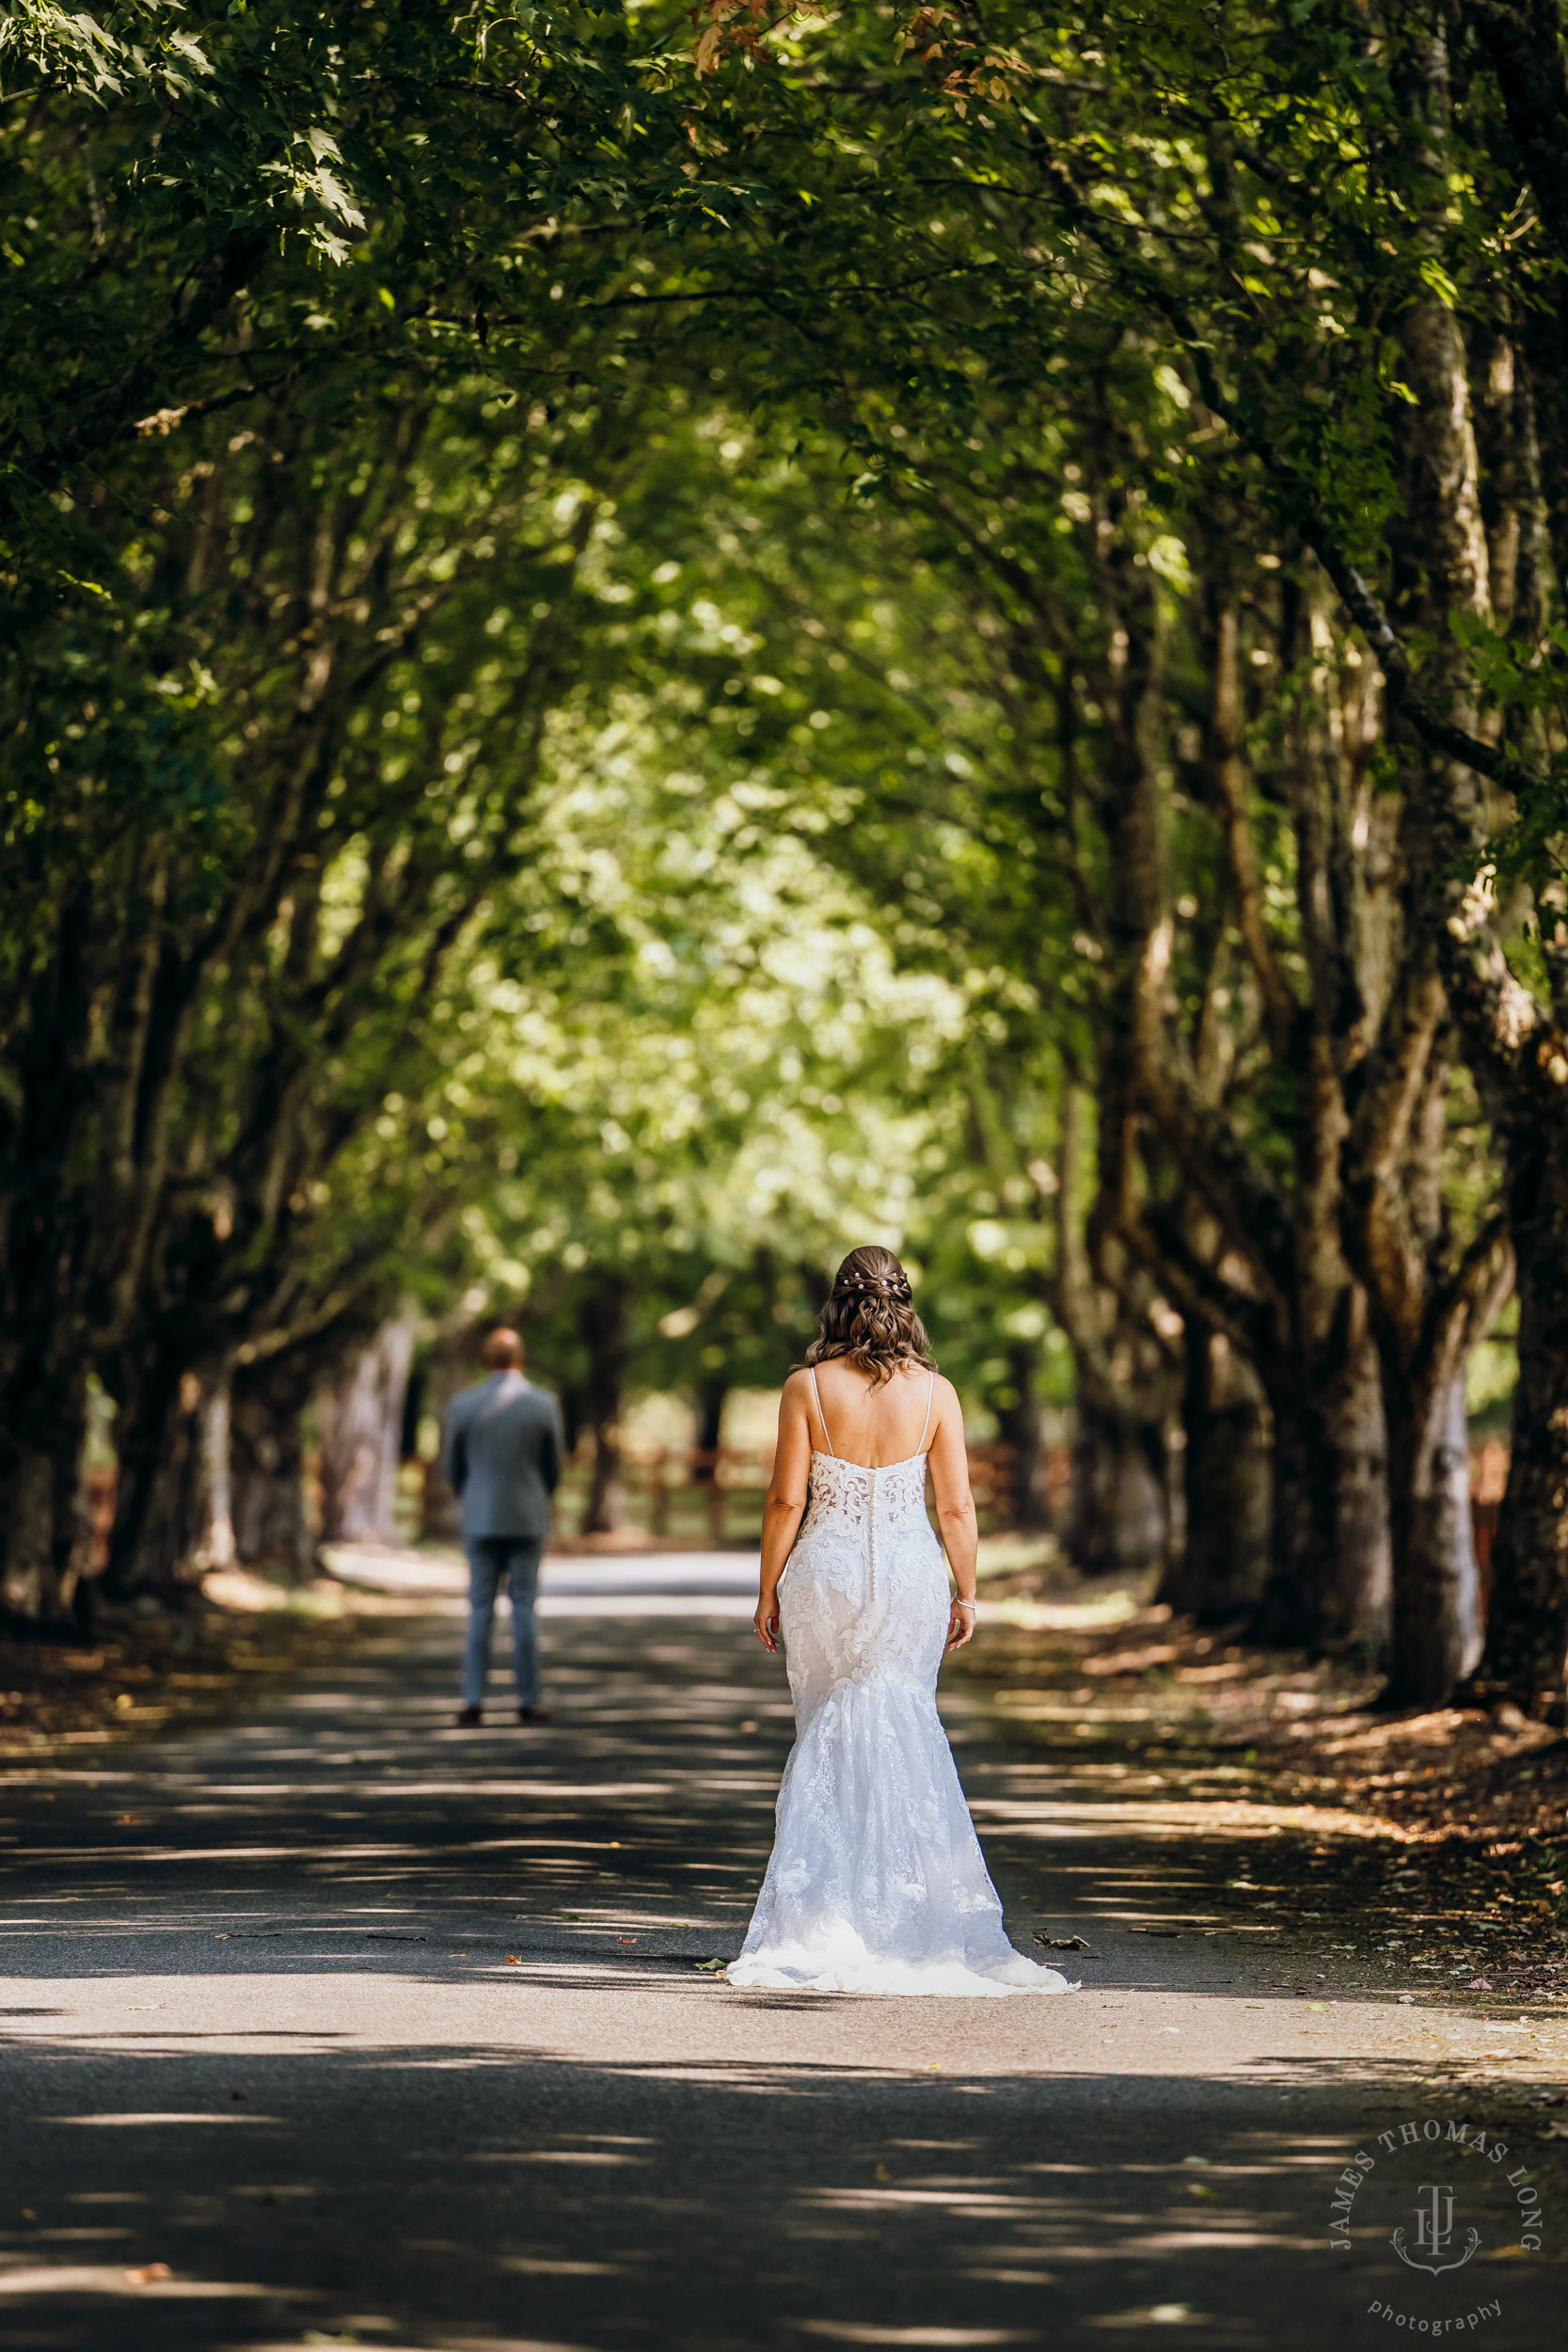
[684,1494]
[690,1494]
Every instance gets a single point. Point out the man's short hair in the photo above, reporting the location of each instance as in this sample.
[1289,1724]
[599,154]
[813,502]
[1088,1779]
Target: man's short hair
[503,1349]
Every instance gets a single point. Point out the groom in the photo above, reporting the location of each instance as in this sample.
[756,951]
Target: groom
[502,1453]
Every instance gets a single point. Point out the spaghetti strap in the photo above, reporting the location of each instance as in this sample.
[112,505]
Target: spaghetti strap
[820,1415]
[930,1394]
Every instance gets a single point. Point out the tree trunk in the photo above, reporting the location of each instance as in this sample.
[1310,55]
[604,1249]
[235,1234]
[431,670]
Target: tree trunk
[359,1418]
[570,1394]
[43,1534]
[214,1545]
[1227,1477]
[267,1473]
[711,1425]
[604,1323]
[1019,1423]
[448,1370]
[171,1499]
[40,1498]
[1331,1572]
[1120,1522]
[1436,1610]
[1526,1631]
[1518,1060]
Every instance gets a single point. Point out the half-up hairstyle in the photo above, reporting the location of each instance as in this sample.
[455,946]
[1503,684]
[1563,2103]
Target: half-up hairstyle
[869,1319]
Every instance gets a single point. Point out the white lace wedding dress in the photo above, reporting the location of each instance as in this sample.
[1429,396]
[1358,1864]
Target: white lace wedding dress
[877,1883]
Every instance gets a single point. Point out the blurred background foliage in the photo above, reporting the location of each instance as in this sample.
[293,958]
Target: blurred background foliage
[638,652]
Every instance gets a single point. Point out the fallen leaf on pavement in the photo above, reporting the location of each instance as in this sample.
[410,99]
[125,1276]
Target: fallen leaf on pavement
[1067,1944]
[123,1820]
[147,2275]
[512,1961]
[708,1966]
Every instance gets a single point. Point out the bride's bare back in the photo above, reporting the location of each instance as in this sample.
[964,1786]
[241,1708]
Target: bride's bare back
[872,1422]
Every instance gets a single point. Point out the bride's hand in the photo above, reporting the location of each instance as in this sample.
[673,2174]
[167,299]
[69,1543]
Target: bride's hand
[960,1624]
[766,1624]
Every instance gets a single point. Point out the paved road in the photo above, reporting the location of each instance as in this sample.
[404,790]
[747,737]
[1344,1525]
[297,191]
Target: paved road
[375,2032]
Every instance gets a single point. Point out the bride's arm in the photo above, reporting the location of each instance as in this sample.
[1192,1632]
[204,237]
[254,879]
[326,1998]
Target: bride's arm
[786,1501]
[961,1533]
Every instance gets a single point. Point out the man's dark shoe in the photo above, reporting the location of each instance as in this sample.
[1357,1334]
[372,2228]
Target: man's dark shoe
[535,1715]
[467,1717]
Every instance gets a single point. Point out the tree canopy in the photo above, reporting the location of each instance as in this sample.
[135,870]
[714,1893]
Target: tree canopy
[635,647]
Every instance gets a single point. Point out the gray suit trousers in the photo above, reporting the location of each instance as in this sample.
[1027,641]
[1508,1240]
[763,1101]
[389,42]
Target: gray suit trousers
[490,1559]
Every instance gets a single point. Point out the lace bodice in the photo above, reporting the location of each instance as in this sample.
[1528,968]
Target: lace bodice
[852,1506]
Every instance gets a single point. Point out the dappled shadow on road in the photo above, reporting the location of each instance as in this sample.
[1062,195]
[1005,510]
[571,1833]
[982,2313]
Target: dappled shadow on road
[352,1825]
[357,1803]
[374,2030]
[487,2195]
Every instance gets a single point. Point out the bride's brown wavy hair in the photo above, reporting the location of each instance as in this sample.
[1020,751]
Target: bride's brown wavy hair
[869,1319]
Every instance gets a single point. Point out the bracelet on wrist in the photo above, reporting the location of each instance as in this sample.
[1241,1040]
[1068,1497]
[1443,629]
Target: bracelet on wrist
[963,1604]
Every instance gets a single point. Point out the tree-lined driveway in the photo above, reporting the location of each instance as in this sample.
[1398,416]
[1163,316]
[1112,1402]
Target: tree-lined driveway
[335,2024]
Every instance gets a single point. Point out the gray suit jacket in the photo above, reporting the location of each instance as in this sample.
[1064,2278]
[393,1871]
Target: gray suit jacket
[502,1453]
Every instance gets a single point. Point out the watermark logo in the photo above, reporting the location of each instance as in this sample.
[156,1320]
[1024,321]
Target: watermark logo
[1435,2234]
[1427,2197]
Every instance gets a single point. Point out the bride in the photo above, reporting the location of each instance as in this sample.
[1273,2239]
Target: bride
[877,1883]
